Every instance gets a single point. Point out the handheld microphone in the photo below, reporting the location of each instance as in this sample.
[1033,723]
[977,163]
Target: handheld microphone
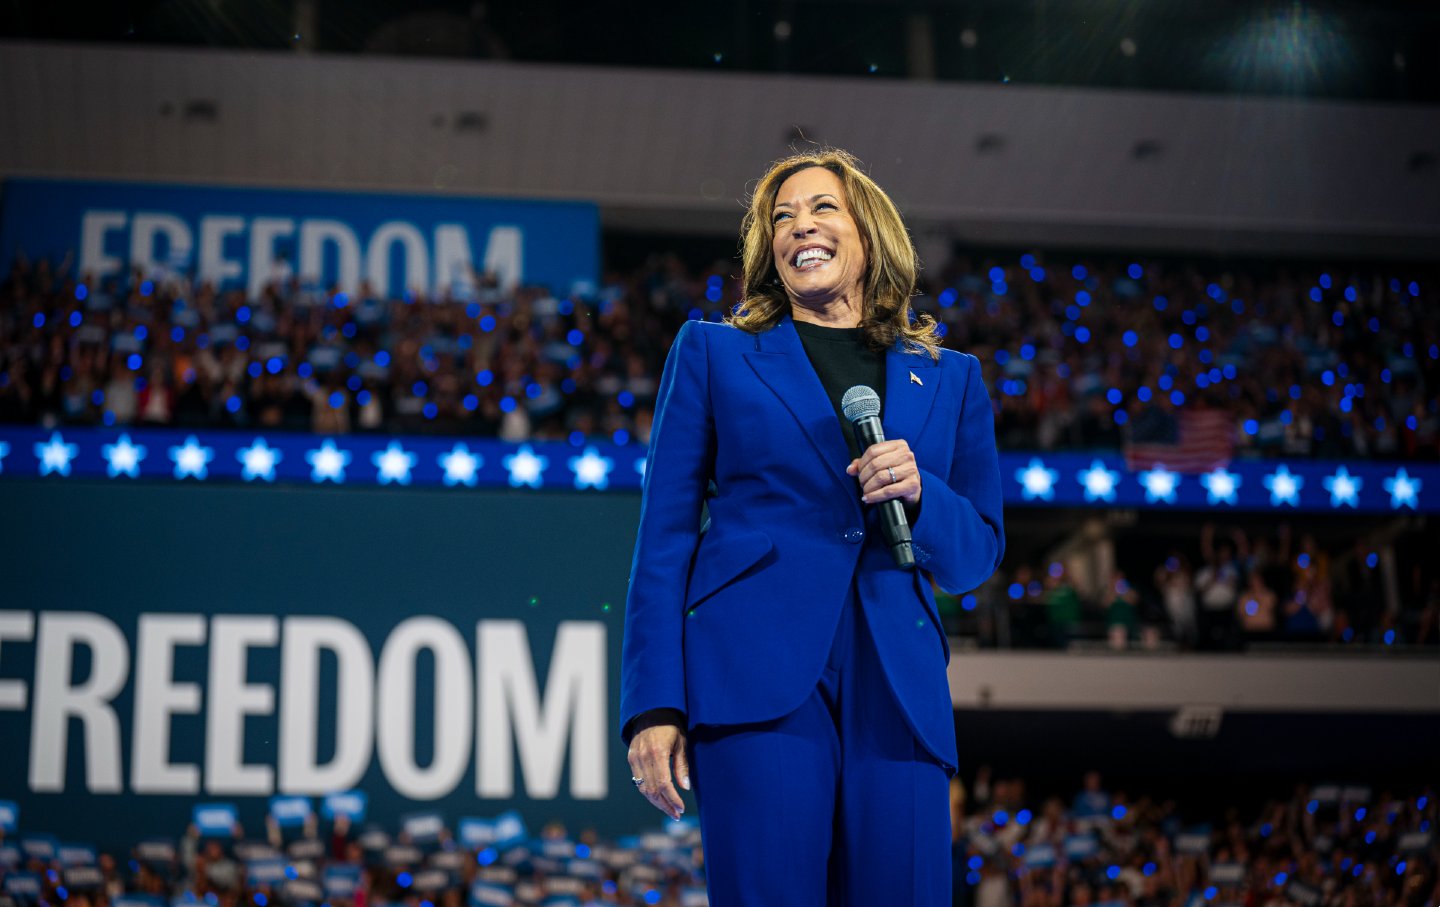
[861,405]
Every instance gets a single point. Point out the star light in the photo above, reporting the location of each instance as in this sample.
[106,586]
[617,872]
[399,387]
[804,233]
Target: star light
[1343,487]
[1099,482]
[526,468]
[1284,488]
[460,465]
[55,455]
[1404,490]
[123,457]
[394,464]
[1160,484]
[591,470]
[1220,485]
[4,449]
[258,461]
[328,462]
[191,458]
[1036,481]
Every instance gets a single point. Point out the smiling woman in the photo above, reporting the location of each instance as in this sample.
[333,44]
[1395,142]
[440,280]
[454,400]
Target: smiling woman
[824,201]
[783,661]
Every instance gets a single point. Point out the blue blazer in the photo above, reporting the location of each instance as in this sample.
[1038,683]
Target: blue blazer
[733,625]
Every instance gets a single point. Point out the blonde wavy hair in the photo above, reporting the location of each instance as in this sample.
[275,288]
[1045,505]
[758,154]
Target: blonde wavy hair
[891,264]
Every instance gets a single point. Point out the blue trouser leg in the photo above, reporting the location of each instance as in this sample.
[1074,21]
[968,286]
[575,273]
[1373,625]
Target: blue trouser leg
[833,804]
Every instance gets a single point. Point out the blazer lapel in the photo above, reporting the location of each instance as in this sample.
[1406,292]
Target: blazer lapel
[911,381]
[780,362]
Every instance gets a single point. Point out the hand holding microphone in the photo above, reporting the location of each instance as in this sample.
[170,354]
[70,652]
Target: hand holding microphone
[888,474]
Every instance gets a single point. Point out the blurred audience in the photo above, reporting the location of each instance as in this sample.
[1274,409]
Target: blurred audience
[1079,356]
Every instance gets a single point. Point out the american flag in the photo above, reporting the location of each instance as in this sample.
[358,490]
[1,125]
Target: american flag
[1201,440]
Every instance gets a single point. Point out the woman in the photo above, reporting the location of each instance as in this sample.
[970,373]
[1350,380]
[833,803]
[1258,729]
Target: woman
[777,659]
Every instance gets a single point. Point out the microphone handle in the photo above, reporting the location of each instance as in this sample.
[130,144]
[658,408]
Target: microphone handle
[893,523]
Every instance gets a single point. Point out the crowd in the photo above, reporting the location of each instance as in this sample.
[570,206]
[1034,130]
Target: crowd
[1230,589]
[1079,356]
[1323,846]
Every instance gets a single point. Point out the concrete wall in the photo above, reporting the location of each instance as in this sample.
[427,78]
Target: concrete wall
[674,150]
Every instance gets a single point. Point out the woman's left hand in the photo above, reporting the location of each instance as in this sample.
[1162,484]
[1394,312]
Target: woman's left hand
[874,471]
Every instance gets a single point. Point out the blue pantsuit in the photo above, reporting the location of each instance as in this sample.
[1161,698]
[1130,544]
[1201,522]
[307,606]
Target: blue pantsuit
[810,669]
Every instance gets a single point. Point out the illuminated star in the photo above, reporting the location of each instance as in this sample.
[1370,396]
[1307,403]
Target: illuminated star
[328,462]
[4,449]
[1099,482]
[1404,491]
[1343,487]
[526,468]
[1036,481]
[1284,487]
[123,457]
[1220,485]
[1160,484]
[258,461]
[191,458]
[460,465]
[394,464]
[55,455]
[591,470]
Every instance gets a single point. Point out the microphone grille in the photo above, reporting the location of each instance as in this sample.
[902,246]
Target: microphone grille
[860,402]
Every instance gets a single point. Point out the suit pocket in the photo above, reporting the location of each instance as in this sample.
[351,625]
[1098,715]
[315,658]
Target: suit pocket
[724,556]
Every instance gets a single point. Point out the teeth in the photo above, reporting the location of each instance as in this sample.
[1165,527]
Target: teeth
[807,255]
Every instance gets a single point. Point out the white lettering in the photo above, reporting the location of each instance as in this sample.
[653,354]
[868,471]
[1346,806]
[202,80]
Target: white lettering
[315,235]
[396,712]
[19,626]
[144,229]
[57,700]
[215,268]
[377,255]
[263,233]
[454,266]
[95,264]
[230,700]
[157,697]
[505,256]
[305,637]
[509,701]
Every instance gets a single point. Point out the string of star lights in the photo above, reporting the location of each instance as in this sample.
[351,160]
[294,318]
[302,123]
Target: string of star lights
[1028,479]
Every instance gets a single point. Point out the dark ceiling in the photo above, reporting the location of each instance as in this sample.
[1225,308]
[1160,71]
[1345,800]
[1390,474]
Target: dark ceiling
[1339,49]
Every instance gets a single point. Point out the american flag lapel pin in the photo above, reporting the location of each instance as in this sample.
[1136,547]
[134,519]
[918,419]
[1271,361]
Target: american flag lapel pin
[915,379]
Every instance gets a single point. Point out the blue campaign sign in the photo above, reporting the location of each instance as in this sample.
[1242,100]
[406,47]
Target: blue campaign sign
[351,804]
[216,820]
[290,812]
[341,880]
[246,237]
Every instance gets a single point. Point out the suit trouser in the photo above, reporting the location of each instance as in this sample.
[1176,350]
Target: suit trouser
[836,803]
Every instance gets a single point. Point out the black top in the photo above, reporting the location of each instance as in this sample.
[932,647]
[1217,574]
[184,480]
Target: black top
[842,359]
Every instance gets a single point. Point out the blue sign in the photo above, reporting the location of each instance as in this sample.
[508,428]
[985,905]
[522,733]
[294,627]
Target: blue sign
[290,812]
[392,243]
[486,687]
[351,804]
[215,820]
[341,880]
[1058,480]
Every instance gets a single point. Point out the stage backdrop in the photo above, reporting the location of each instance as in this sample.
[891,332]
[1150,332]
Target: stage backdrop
[441,650]
[247,237]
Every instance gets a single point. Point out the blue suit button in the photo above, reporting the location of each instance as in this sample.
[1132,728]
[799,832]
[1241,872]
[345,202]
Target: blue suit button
[854,535]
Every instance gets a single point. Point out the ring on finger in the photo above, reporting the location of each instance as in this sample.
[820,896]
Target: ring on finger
[893,480]
[637,782]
